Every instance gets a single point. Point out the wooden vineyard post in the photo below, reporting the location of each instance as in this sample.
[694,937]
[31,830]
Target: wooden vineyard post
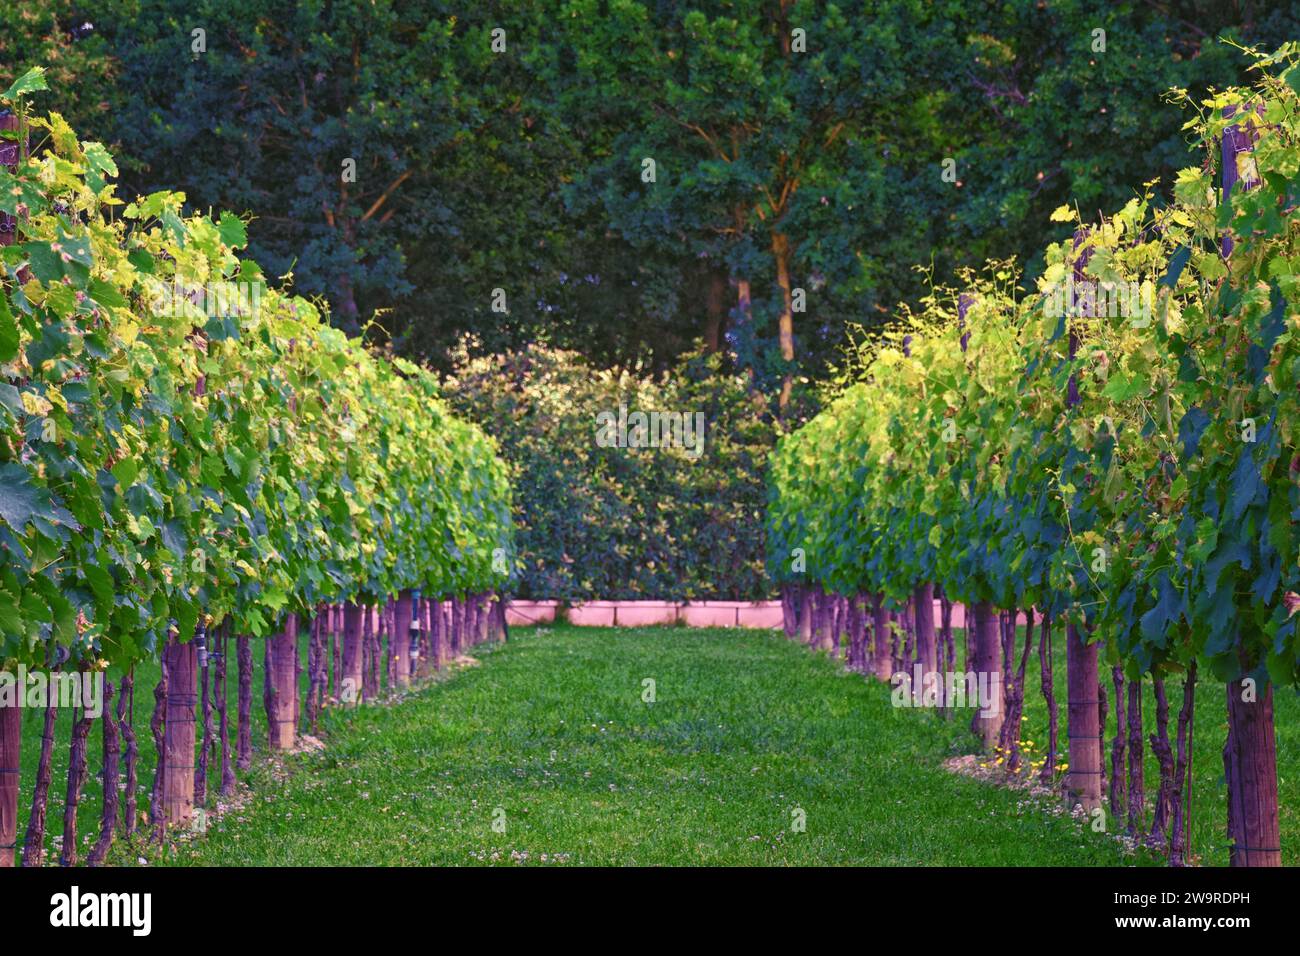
[424,666]
[982,637]
[926,649]
[349,681]
[10,751]
[1250,753]
[822,620]
[435,634]
[180,702]
[484,602]
[443,634]
[411,637]
[883,656]
[453,626]
[987,666]
[1083,701]
[178,731]
[10,713]
[283,723]
[400,639]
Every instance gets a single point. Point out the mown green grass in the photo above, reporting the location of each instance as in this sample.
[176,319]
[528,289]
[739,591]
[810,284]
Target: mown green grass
[551,735]
[746,728]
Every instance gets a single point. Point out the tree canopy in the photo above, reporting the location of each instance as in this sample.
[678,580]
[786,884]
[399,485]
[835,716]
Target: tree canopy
[805,154]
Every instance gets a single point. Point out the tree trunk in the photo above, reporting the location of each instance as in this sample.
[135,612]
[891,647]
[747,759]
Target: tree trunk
[1178,850]
[785,325]
[502,607]
[386,635]
[244,704]
[987,721]
[1250,768]
[345,301]
[1101,723]
[715,310]
[1048,686]
[1083,721]
[76,780]
[178,733]
[1164,753]
[1136,790]
[1016,692]
[112,753]
[742,302]
[158,726]
[125,721]
[315,666]
[1117,747]
[322,672]
[282,724]
[34,841]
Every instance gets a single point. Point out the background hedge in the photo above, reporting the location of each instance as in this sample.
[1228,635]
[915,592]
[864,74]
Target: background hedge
[624,523]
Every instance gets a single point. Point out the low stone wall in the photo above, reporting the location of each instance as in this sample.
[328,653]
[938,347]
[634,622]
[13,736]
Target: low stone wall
[761,614]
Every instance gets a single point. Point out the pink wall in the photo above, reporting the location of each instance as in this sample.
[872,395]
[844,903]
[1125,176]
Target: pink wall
[762,614]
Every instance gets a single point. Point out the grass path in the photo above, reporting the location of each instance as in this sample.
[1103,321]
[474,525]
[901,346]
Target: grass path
[551,737]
